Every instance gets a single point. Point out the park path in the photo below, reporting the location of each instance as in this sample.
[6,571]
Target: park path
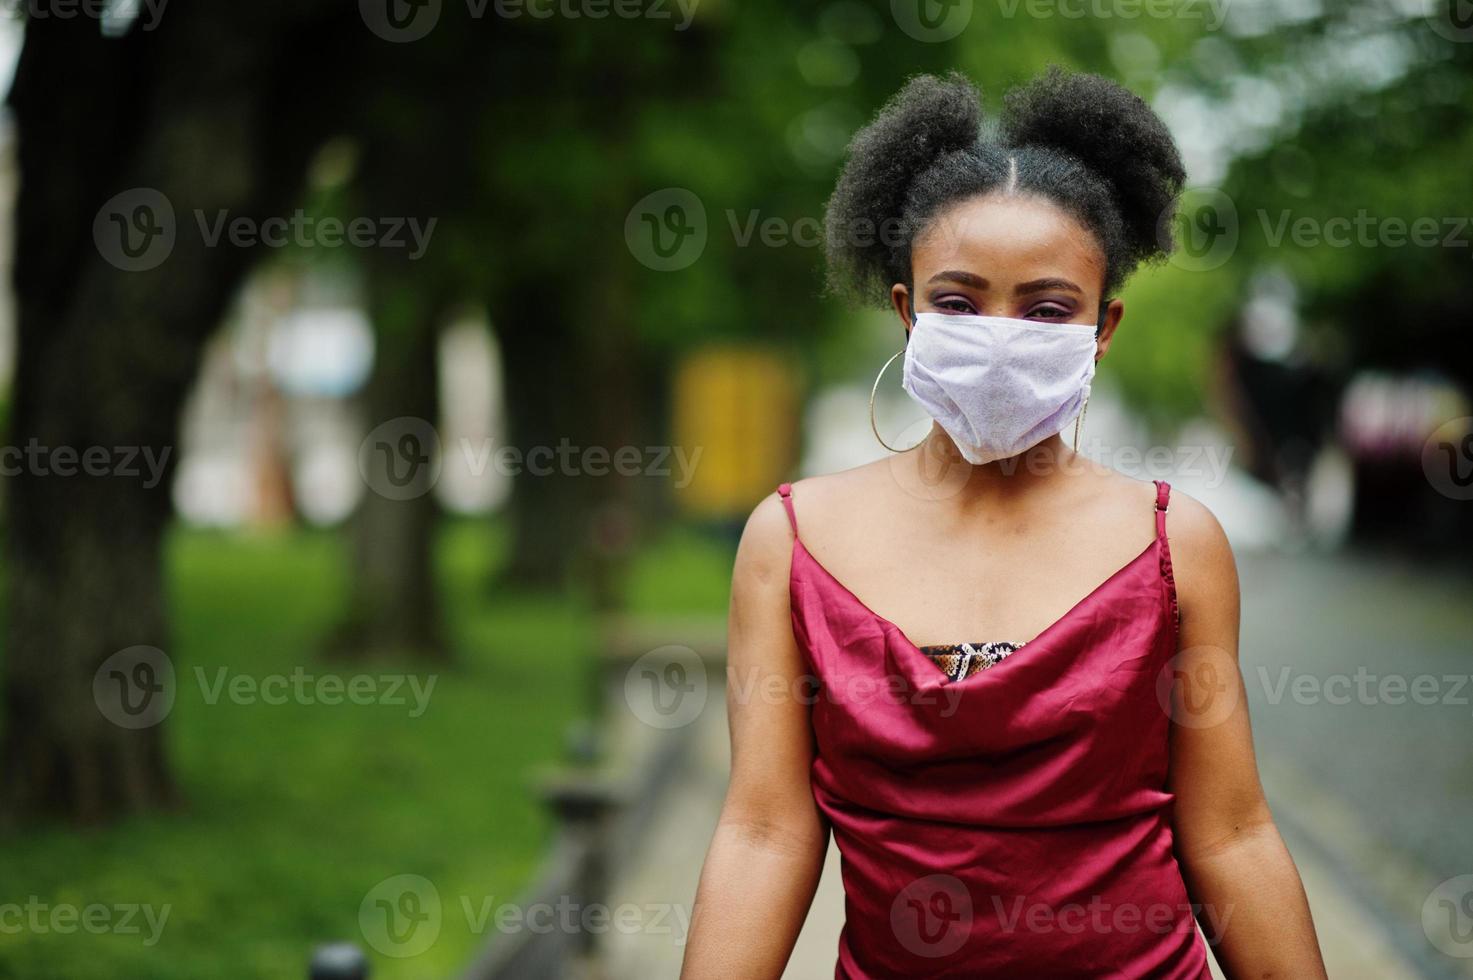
[1371,800]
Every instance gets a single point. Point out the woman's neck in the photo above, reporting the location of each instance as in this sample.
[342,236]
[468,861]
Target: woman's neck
[939,462]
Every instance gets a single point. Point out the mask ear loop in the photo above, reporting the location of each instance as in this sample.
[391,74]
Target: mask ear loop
[1079,419]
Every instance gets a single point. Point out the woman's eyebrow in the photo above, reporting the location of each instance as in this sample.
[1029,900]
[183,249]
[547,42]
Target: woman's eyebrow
[963,278]
[1039,285]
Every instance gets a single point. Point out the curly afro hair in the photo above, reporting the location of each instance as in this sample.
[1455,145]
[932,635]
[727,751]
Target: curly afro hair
[1082,141]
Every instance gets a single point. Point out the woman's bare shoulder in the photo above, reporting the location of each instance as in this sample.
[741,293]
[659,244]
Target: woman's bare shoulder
[840,499]
[1201,556]
[1203,567]
[765,549]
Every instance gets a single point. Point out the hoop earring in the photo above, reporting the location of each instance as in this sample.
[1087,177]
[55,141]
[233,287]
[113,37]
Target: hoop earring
[873,427]
[1079,422]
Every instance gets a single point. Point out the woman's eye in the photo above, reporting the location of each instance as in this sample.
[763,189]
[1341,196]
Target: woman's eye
[953,305]
[1048,311]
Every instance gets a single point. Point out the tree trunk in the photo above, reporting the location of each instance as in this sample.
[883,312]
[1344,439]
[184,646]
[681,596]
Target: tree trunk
[550,403]
[197,116]
[393,610]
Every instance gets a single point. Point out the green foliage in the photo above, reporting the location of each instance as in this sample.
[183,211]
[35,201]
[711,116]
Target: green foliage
[1163,349]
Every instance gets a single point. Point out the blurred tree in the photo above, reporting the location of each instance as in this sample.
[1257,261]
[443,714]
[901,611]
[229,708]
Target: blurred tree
[215,109]
[559,171]
[411,124]
[393,607]
[1361,202]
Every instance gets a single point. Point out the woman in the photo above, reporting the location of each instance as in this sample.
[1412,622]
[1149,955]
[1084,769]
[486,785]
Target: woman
[1013,701]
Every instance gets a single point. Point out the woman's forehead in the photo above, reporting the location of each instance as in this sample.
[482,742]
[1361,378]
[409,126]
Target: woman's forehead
[1013,237]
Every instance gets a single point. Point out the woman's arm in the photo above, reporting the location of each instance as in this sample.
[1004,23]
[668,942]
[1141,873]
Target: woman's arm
[767,853]
[1253,906]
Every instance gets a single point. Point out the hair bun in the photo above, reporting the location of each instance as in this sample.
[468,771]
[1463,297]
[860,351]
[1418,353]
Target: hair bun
[928,118]
[1114,133]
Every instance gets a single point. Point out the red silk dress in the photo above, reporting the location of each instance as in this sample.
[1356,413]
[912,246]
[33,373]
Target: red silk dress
[1015,823]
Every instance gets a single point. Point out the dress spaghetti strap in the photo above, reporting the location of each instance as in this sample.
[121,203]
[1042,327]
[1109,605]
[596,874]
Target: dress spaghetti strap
[785,491]
[1163,500]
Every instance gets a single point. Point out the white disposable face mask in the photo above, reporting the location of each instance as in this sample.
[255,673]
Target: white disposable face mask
[997,385]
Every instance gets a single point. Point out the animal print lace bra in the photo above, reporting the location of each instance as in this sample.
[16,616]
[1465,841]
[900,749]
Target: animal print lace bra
[961,660]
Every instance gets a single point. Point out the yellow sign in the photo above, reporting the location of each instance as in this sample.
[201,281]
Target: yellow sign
[738,407]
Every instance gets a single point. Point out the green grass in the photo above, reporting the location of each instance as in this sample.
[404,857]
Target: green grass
[294,812]
[688,570]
